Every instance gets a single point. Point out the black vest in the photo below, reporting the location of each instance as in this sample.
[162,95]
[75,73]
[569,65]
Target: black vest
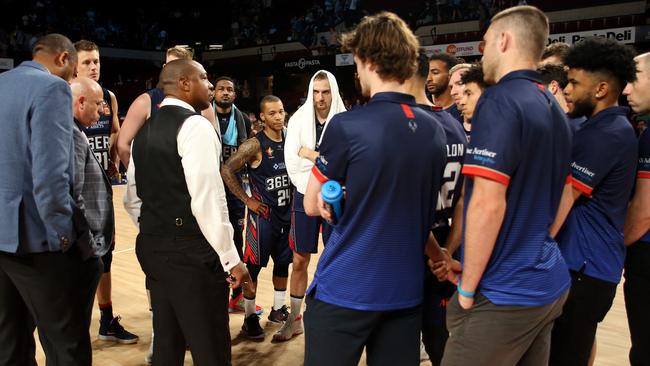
[159,175]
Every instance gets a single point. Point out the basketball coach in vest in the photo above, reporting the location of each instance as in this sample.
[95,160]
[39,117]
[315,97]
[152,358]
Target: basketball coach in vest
[185,244]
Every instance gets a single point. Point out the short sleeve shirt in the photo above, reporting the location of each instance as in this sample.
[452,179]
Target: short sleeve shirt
[521,139]
[390,156]
[603,169]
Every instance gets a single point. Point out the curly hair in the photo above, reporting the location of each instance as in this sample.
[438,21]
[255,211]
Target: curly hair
[449,60]
[387,42]
[602,55]
[474,75]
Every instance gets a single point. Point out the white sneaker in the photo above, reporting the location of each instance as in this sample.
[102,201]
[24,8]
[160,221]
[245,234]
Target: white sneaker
[292,327]
[149,357]
[423,352]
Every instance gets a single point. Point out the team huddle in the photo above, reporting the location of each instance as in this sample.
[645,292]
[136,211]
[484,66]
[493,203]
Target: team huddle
[489,209]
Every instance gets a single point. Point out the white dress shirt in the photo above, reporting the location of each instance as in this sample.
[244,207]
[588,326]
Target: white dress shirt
[199,149]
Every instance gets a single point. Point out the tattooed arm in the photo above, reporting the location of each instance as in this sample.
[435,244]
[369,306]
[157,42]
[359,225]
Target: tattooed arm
[250,153]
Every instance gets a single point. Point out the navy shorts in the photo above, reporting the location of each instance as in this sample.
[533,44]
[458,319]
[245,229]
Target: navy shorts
[267,238]
[305,229]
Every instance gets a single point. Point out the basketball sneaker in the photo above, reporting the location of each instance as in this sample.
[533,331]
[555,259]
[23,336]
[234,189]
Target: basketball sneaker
[280,315]
[292,327]
[236,305]
[252,328]
[113,331]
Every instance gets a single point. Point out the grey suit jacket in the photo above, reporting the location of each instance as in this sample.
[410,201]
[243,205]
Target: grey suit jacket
[36,206]
[93,194]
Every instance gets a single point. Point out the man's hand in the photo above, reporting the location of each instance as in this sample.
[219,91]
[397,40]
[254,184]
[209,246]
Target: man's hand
[465,302]
[307,153]
[257,207]
[324,210]
[112,169]
[239,276]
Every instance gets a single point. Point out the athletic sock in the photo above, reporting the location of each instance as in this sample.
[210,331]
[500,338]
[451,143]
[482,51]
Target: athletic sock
[106,311]
[249,306]
[296,305]
[236,292]
[279,299]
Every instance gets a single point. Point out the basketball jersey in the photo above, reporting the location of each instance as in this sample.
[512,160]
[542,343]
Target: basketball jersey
[269,180]
[100,132]
[156,95]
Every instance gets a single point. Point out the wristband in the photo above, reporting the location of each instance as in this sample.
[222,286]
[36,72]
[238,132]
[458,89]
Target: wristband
[463,292]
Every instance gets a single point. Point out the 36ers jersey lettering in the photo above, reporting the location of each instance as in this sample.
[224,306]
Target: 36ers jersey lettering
[100,132]
[269,180]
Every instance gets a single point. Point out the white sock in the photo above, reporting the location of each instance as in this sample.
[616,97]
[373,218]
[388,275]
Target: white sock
[279,299]
[249,306]
[296,306]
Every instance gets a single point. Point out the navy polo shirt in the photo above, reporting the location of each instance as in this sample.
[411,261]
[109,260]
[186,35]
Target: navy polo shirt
[452,179]
[602,168]
[643,168]
[522,139]
[390,156]
[575,122]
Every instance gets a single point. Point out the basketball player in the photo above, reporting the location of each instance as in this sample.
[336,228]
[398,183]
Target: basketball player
[514,280]
[595,200]
[474,86]
[101,137]
[269,210]
[555,80]
[434,330]
[234,128]
[144,105]
[438,83]
[637,225]
[457,87]
[304,135]
[368,288]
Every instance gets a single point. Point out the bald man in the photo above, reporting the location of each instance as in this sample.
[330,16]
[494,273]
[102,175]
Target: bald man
[185,244]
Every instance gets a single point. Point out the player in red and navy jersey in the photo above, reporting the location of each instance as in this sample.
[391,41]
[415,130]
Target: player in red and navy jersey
[514,280]
[269,210]
[637,225]
[595,200]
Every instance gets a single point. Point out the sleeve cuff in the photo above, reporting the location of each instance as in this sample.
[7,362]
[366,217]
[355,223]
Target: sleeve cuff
[481,171]
[585,189]
[229,259]
[318,175]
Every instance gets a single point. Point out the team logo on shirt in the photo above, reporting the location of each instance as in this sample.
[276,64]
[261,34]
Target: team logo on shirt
[413,126]
[269,152]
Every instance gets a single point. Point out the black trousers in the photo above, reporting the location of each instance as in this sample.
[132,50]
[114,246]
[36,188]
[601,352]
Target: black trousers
[574,331]
[189,297]
[337,336]
[637,298]
[53,292]
[236,211]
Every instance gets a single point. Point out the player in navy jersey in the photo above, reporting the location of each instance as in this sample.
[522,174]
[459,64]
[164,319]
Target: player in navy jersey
[473,86]
[438,83]
[637,225]
[101,137]
[457,87]
[368,287]
[514,280]
[269,210]
[595,200]
[555,79]
[437,294]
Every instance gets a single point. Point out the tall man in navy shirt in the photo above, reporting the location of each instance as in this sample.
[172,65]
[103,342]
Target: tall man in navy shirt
[390,156]
[514,280]
[637,225]
[602,175]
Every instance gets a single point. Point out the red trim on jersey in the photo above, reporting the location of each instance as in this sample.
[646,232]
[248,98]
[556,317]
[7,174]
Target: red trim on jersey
[318,175]
[407,111]
[539,86]
[481,171]
[582,187]
[568,179]
[643,175]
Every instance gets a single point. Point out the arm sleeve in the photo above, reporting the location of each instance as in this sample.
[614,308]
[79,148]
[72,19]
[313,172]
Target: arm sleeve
[51,148]
[493,151]
[199,150]
[591,160]
[334,150]
[643,170]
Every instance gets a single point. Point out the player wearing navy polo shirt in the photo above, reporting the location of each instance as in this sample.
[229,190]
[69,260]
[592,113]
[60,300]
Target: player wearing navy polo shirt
[390,156]
[555,79]
[602,175]
[474,83]
[445,231]
[514,280]
[637,225]
[438,83]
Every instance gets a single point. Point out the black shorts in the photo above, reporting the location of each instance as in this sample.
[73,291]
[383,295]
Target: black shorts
[108,261]
[305,229]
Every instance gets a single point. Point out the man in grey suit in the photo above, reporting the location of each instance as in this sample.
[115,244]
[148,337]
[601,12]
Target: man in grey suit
[92,190]
[42,241]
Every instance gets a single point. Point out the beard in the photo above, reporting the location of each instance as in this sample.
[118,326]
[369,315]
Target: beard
[224,105]
[582,108]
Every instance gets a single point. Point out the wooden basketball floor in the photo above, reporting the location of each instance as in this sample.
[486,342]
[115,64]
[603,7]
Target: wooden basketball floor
[130,302]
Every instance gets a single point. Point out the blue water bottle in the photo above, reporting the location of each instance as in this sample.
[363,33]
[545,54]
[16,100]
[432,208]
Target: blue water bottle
[332,194]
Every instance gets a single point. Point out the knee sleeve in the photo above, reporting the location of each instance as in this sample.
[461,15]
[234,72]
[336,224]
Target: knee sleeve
[281,270]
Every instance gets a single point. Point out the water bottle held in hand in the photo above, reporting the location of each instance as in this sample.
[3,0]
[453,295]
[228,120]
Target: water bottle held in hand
[332,194]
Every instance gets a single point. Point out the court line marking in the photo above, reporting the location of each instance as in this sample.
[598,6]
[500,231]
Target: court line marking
[123,250]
